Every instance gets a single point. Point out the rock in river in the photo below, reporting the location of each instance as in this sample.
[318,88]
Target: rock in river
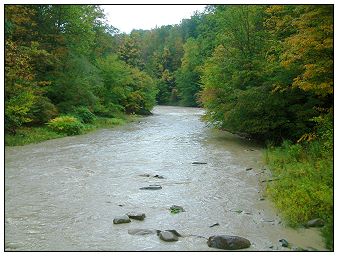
[174,232]
[152,187]
[136,215]
[176,209]
[168,236]
[142,231]
[284,242]
[228,242]
[121,219]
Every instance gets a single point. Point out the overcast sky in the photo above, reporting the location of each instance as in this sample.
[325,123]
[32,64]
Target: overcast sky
[129,17]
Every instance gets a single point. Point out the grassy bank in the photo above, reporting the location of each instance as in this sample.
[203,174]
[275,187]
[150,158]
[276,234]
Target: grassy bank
[305,188]
[27,135]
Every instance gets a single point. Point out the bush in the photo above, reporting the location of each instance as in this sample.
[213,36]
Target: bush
[43,110]
[69,125]
[84,115]
[110,110]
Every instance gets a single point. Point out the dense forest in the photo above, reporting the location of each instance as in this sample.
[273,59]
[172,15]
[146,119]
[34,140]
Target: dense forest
[261,71]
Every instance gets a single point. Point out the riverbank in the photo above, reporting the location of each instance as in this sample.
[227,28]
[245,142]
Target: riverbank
[36,134]
[303,186]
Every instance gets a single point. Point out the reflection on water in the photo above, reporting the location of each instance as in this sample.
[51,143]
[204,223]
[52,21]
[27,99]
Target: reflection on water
[62,194]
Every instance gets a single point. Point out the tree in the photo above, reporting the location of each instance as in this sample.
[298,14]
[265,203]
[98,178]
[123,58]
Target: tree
[188,75]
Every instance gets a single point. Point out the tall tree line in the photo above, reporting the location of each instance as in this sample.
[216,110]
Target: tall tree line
[261,70]
[59,58]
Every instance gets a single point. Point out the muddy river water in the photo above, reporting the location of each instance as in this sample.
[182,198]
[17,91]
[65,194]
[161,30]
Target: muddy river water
[63,194]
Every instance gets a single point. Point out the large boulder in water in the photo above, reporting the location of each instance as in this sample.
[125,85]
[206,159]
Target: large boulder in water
[228,242]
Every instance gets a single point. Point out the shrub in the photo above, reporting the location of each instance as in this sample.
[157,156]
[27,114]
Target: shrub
[84,115]
[43,110]
[69,125]
[110,110]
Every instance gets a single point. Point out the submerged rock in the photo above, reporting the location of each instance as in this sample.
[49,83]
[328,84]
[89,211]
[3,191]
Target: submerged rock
[121,219]
[152,187]
[168,236]
[315,223]
[142,231]
[145,175]
[228,242]
[213,225]
[136,215]
[176,209]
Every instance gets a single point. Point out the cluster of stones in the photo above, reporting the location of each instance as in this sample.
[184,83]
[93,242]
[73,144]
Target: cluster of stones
[126,217]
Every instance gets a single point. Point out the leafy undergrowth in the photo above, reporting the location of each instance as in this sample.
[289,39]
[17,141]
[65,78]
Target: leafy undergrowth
[305,188]
[27,135]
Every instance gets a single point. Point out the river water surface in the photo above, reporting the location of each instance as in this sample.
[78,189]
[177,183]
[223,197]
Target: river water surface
[63,194]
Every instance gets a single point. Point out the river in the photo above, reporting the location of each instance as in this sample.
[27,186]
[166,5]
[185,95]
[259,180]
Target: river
[62,194]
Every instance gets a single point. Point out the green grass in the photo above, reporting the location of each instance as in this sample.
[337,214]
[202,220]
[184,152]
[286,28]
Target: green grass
[28,135]
[305,188]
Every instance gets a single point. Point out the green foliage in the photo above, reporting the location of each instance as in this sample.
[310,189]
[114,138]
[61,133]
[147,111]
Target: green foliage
[305,188]
[76,85]
[125,87]
[66,124]
[187,76]
[27,135]
[17,111]
[84,115]
[43,110]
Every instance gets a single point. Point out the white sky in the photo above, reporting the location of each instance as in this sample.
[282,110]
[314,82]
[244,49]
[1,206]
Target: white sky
[129,17]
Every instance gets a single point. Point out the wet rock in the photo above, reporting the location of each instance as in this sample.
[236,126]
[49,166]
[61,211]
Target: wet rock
[237,211]
[145,175]
[168,236]
[315,223]
[152,187]
[198,163]
[228,242]
[248,169]
[176,209]
[213,225]
[284,242]
[142,231]
[136,215]
[174,232]
[121,219]
[269,180]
